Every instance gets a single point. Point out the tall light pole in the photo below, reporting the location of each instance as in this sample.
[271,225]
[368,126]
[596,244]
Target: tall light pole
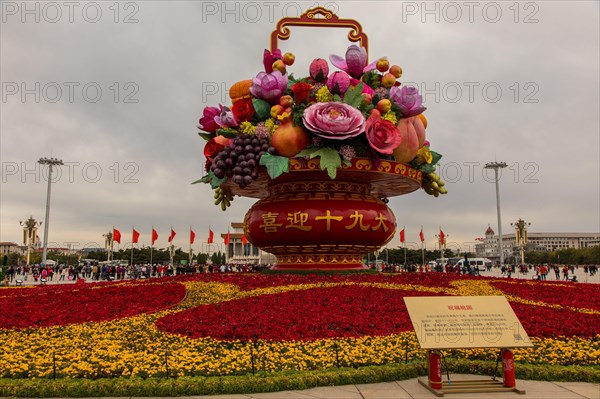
[496,166]
[50,162]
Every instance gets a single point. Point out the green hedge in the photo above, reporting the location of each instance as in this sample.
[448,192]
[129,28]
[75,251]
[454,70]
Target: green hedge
[274,382]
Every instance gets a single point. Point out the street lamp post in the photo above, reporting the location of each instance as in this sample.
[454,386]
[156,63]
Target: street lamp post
[521,236]
[30,227]
[496,166]
[50,162]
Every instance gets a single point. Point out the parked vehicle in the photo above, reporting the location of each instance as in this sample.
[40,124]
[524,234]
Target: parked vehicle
[475,265]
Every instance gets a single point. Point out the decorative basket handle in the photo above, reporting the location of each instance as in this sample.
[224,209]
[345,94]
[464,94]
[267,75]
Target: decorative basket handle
[329,20]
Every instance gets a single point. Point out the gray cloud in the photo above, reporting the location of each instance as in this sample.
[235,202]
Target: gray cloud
[156,76]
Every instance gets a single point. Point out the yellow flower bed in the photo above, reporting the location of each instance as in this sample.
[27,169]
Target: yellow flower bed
[133,346]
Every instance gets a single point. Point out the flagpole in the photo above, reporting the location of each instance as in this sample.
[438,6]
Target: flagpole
[132,230]
[404,245]
[112,240]
[151,244]
[190,252]
[422,248]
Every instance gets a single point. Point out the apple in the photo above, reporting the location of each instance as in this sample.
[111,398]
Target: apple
[279,65]
[383,65]
[288,140]
[288,58]
[375,113]
[384,105]
[367,98]
[396,71]
[286,101]
[388,80]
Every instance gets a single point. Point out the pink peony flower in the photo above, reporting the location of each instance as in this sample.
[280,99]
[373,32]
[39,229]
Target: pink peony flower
[207,122]
[269,86]
[338,82]
[334,120]
[383,135]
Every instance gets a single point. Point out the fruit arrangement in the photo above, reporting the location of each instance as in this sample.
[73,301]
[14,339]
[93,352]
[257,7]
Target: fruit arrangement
[360,111]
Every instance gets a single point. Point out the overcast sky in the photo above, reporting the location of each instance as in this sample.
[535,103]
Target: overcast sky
[115,90]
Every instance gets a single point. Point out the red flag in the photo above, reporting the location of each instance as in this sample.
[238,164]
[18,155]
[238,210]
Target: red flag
[136,236]
[116,235]
[172,235]
[211,236]
[154,236]
[442,237]
[421,236]
[244,240]
[402,236]
[192,236]
[227,238]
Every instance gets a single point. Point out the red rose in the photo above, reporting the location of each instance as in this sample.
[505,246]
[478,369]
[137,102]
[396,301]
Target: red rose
[383,135]
[301,91]
[214,146]
[243,110]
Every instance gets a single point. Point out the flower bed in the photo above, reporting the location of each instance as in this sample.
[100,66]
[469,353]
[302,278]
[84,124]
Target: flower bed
[306,322]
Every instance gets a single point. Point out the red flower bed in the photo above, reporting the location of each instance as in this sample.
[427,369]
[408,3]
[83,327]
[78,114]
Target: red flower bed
[564,294]
[297,315]
[60,305]
[248,282]
[547,322]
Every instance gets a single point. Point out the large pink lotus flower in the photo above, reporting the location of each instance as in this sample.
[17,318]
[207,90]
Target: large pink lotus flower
[355,63]
[207,122]
[269,86]
[408,99]
[269,58]
[334,120]
[383,135]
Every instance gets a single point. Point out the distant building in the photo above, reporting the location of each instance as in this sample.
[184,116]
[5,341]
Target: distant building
[488,247]
[7,247]
[238,253]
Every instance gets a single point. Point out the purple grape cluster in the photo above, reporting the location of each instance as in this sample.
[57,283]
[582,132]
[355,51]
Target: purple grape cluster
[239,162]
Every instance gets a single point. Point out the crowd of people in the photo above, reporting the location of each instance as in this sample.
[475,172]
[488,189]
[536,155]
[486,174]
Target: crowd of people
[99,271]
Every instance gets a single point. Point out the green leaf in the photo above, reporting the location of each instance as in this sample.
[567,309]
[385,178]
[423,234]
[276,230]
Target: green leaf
[436,157]
[262,108]
[275,165]
[426,168]
[354,96]
[330,160]
[229,133]
[214,182]
[206,136]
[337,98]
[307,152]
[205,179]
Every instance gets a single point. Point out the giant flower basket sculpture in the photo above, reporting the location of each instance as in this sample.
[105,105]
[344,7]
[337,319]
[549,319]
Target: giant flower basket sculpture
[322,153]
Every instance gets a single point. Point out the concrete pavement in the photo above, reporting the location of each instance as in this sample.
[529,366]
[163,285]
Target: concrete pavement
[411,389]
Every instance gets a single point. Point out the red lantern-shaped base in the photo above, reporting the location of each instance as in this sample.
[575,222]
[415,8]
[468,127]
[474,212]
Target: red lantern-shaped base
[311,222]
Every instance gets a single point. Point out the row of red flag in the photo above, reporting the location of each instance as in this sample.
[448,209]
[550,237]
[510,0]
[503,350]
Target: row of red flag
[441,236]
[227,239]
[135,236]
